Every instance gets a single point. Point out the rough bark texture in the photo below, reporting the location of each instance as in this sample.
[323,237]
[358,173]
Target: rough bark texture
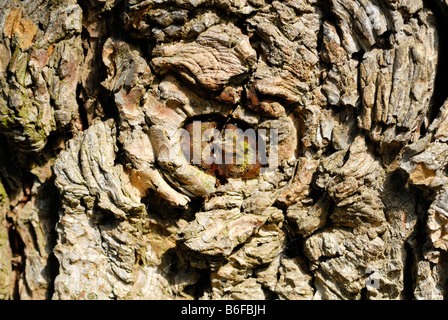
[97,200]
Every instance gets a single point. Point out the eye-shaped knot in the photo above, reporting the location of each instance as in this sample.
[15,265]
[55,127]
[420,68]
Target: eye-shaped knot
[223,148]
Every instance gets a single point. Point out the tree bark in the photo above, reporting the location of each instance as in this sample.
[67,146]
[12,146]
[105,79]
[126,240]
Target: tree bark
[98,199]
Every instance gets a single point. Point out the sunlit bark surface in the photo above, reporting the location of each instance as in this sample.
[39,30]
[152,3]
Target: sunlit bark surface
[99,201]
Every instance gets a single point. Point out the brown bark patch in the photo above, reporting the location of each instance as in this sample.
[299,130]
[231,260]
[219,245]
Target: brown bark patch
[23,29]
